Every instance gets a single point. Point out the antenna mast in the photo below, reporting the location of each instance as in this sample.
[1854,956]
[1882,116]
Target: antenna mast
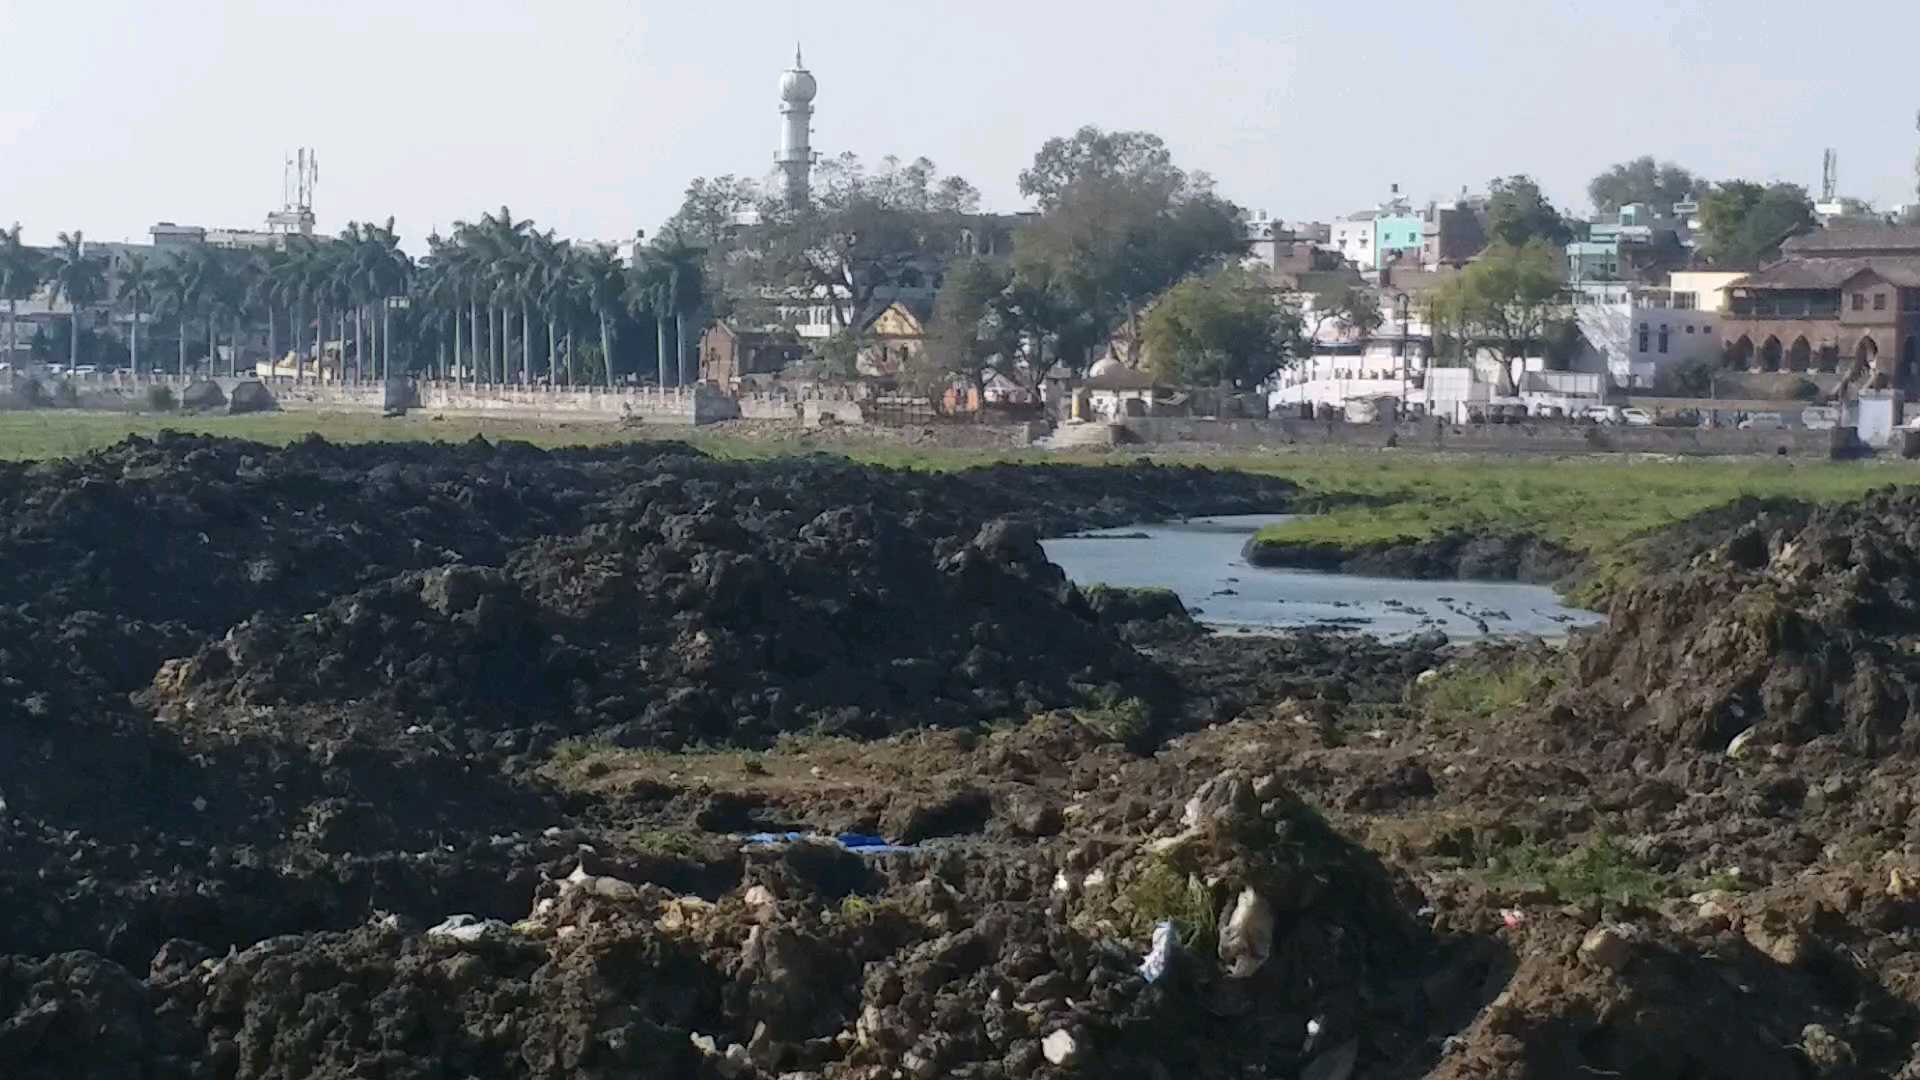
[1829,175]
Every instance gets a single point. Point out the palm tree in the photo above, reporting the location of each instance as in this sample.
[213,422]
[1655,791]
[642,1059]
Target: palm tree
[686,286]
[389,272]
[604,289]
[80,279]
[650,293]
[20,274]
[507,249]
[295,273]
[136,289]
[267,289]
[199,272]
[174,287]
[546,285]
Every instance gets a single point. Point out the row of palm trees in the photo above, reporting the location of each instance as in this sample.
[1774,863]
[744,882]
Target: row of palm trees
[459,312]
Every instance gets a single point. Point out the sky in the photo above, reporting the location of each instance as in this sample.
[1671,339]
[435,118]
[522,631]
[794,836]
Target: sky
[591,116]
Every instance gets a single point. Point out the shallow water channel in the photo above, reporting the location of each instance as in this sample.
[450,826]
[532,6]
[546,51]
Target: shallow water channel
[1200,559]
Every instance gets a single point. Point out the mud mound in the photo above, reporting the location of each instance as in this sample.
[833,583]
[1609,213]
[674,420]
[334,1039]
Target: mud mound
[1283,951]
[721,625]
[1640,1001]
[1794,630]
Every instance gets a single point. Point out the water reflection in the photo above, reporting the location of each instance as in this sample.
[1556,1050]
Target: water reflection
[1201,560]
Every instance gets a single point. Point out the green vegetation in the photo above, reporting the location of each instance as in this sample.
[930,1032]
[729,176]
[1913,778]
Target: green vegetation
[1477,693]
[1592,506]
[1598,871]
[1161,892]
[1124,721]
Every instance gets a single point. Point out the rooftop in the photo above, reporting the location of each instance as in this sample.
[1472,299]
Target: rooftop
[1831,273]
[1852,238]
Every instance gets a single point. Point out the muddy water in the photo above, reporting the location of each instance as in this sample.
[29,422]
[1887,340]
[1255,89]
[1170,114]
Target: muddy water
[1201,560]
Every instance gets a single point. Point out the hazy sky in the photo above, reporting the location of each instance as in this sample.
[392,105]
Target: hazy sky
[591,116]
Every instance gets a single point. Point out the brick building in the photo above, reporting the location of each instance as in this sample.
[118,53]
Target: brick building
[1844,300]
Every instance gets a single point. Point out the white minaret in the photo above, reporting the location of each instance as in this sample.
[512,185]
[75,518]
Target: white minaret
[796,136]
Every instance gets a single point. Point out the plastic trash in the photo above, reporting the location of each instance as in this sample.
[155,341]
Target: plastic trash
[1246,938]
[858,843]
[1155,964]
[468,928]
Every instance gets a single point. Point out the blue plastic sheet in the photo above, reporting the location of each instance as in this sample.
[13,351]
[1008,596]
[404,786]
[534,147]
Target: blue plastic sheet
[858,843]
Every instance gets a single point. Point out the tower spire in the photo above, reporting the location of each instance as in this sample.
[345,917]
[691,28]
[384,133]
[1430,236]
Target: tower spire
[797,90]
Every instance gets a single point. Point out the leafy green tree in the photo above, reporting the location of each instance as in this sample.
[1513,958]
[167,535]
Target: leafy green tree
[1121,225]
[1518,212]
[711,210]
[1228,327]
[1090,153]
[1046,326]
[862,231]
[1745,224]
[1507,300]
[1354,306]
[1642,180]
[78,278]
[967,335]
[21,270]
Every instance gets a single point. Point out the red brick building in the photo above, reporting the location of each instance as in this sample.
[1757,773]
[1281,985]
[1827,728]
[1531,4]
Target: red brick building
[1844,300]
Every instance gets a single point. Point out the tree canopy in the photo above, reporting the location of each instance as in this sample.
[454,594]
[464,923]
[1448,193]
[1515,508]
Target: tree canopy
[1353,306]
[1642,180]
[1121,226]
[1744,223]
[1228,327]
[1507,300]
[1139,157]
[862,231]
[1518,212]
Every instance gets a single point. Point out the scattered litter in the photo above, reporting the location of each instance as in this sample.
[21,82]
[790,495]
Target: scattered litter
[1247,938]
[1513,917]
[858,843]
[1313,1036]
[1899,885]
[1738,746]
[1155,964]
[1061,1048]
[469,928]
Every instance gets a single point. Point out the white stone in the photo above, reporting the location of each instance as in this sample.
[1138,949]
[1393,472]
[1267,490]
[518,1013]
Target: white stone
[1246,941]
[1061,1048]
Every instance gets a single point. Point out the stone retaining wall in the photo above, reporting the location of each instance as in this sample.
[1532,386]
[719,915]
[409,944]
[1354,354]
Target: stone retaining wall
[1550,438]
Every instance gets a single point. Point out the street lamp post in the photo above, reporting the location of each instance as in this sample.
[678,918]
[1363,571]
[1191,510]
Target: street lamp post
[1401,301]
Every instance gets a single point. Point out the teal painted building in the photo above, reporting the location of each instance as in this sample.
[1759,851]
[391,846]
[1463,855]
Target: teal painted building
[1396,232]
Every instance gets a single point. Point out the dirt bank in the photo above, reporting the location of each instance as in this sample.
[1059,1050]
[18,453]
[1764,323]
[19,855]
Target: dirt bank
[482,761]
[1455,555]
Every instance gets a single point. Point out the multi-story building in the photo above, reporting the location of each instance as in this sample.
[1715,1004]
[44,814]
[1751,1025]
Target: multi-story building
[1844,300]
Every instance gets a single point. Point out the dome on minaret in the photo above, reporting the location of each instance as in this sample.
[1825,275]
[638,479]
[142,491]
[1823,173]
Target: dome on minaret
[797,86]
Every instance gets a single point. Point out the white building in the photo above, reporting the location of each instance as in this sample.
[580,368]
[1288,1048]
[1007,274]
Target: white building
[1354,240]
[1641,332]
[1350,371]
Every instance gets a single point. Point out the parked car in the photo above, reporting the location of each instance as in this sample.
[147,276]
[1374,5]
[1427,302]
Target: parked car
[1763,421]
[86,369]
[1820,418]
[1601,414]
[1636,418]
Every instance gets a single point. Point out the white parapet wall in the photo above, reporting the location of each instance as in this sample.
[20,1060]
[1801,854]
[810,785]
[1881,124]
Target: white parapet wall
[700,404]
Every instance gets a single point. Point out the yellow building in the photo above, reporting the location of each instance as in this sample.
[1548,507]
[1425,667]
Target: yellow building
[894,336]
[1702,290]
